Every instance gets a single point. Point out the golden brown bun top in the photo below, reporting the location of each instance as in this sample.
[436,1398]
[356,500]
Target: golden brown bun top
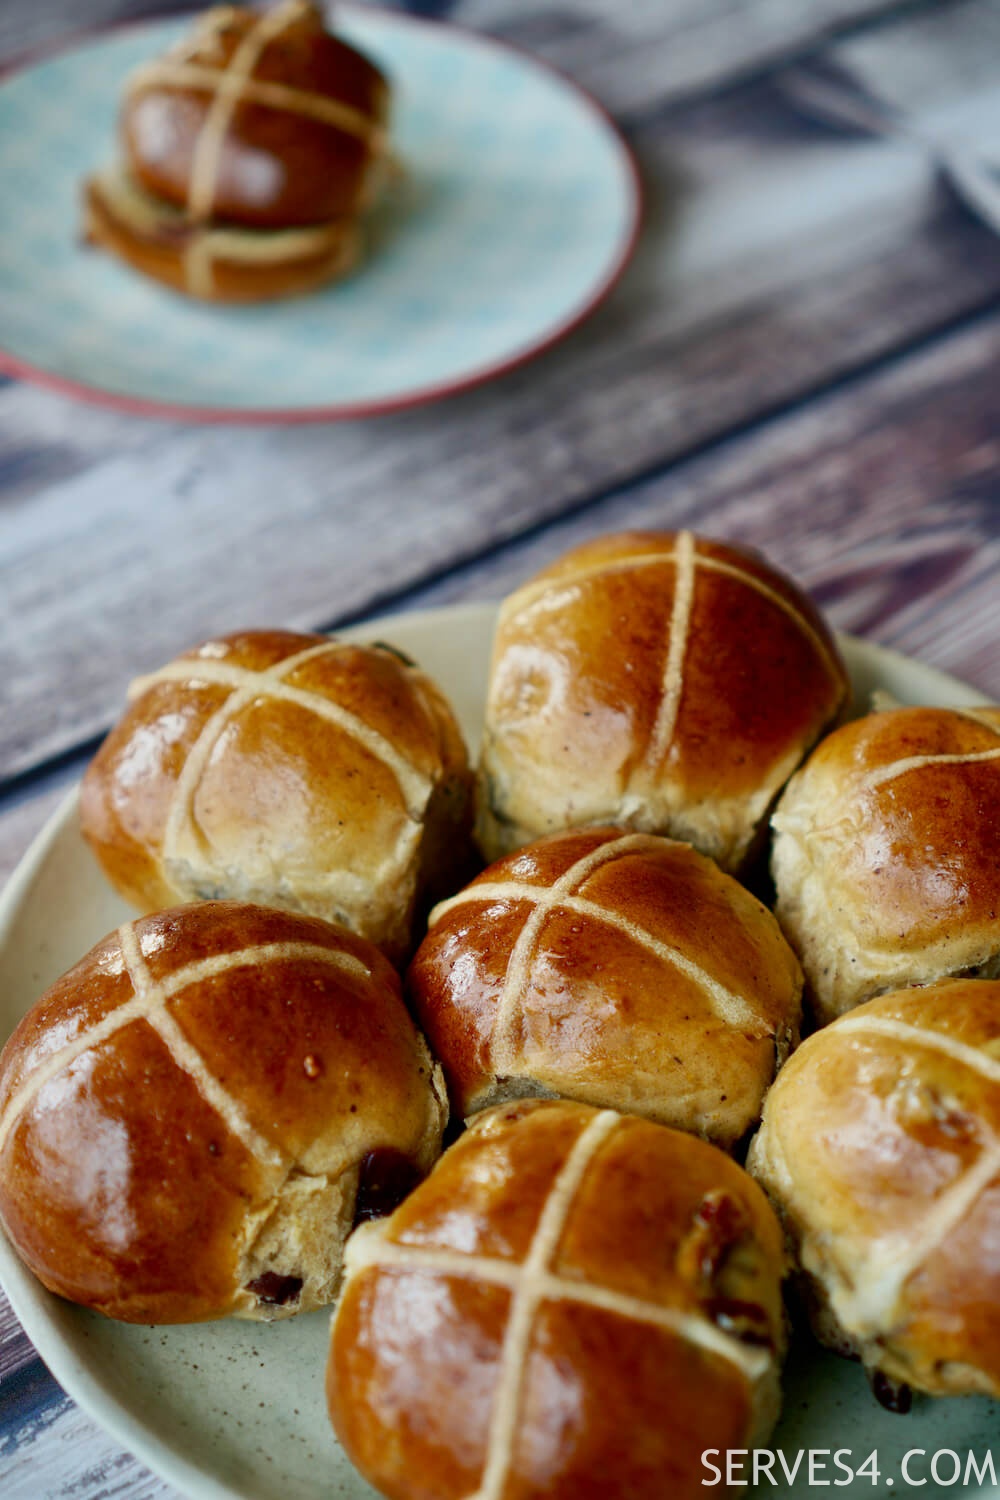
[888,849]
[280,160]
[286,767]
[160,1096]
[625,970]
[565,1284]
[881,1148]
[912,798]
[656,679]
[645,1188]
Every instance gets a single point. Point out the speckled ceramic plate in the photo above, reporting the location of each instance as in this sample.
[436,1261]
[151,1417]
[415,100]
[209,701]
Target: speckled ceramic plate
[517,209]
[237,1409]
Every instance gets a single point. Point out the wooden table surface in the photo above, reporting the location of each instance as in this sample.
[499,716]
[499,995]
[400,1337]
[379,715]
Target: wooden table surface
[803,356]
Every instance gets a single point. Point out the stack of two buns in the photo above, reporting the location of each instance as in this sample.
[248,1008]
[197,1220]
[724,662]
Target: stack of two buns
[250,153]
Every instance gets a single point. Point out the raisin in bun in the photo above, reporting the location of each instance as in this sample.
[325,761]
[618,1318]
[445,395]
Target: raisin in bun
[886,857]
[880,1150]
[288,769]
[188,1117]
[624,970]
[493,1339]
[654,680]
[249,153]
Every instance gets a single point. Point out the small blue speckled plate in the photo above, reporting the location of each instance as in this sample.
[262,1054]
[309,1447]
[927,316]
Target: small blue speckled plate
[518,210]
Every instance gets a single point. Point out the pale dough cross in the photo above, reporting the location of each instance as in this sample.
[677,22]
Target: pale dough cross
[149,1003]
[248,686]
[561,896]
[229,87]
[533,1282]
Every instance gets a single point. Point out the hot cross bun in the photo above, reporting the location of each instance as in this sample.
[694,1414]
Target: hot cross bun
[574,1303]
[193,1117]
[880,1150]
[288,769]
[618,968]
[654,680]
[886,857]
[250,151]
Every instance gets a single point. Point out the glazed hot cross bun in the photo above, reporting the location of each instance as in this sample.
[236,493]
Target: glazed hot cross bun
[575,1303]
[193,1117]
[250,151]
[617,968]
[886,855]
[658,681]
[880,1150]
[288,769]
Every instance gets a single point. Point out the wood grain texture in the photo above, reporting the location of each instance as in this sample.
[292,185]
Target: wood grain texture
[630,55]
[648,53]
[55,1452]
[968,32]
[26,27]
[776,259]
[880,498]
[16,1351]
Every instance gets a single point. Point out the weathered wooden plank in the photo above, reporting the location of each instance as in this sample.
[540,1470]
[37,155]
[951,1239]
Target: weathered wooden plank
[968,34]
[16,1349]
[32,1402]
[775,267]
[653,52]
[50,1449]
[632,56]
[26,28]
[46,439]
[881,498]
[43,439]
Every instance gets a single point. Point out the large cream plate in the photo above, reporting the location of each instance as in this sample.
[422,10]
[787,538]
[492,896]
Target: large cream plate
[234,1409]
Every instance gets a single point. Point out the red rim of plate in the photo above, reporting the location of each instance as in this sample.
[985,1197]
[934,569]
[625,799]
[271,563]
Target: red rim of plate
[22,369]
